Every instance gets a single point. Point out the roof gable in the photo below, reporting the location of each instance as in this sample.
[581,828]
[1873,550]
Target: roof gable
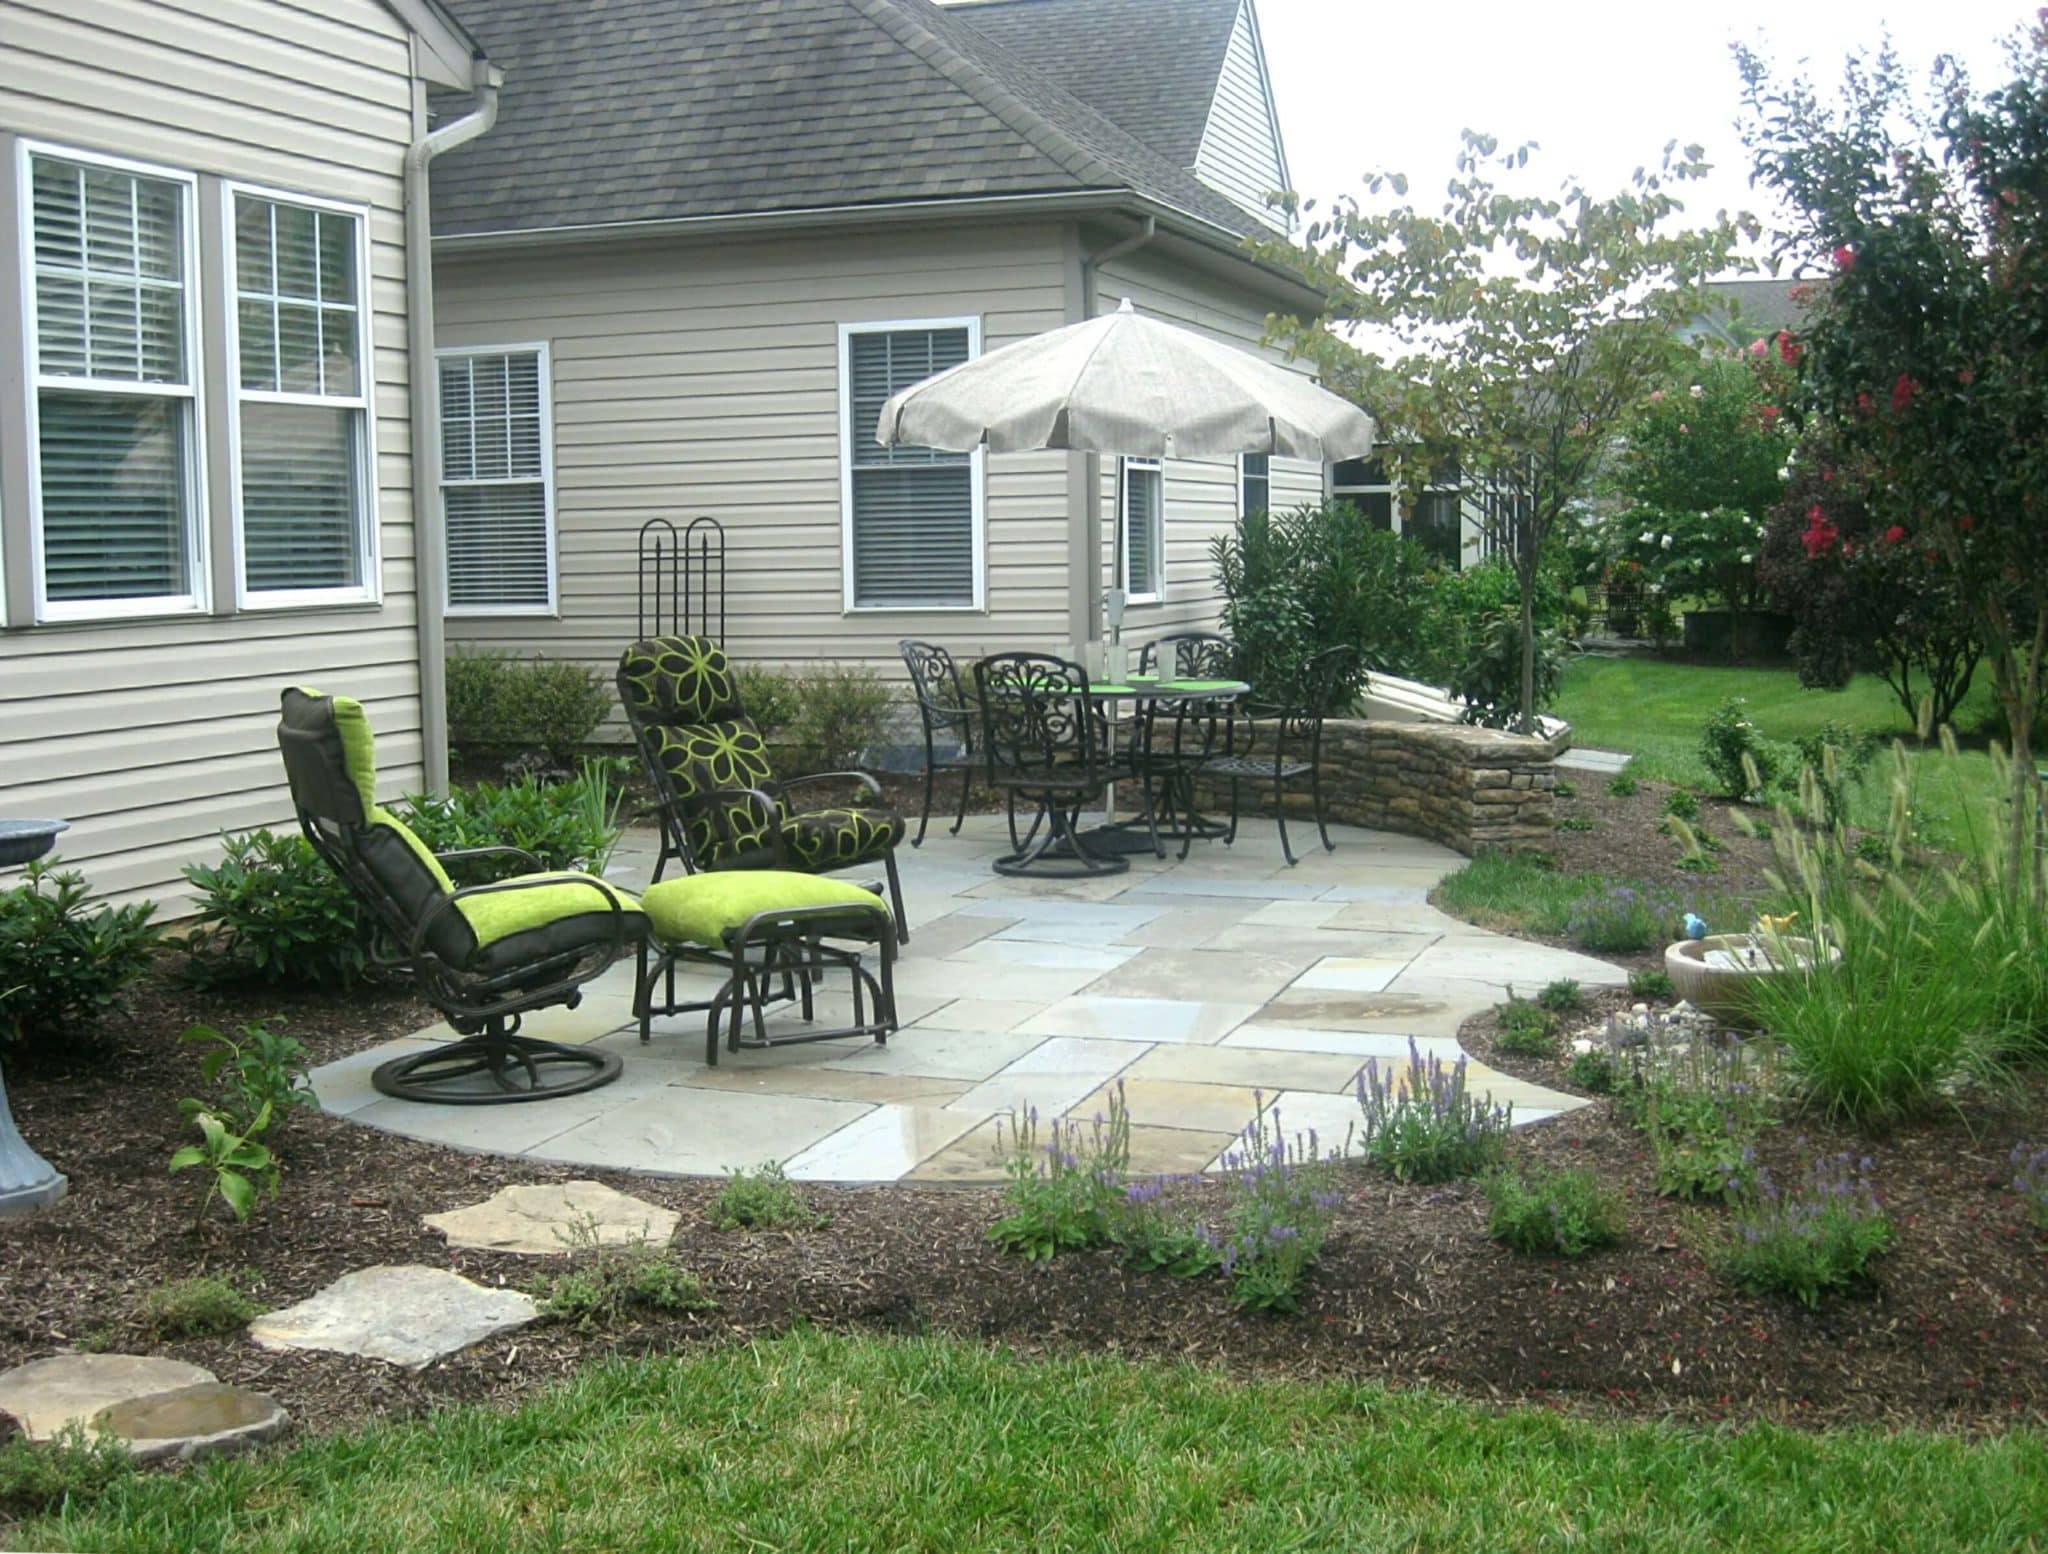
[1241,153]
[633,111]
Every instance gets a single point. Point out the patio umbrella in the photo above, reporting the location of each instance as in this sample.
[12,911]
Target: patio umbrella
[1127,384]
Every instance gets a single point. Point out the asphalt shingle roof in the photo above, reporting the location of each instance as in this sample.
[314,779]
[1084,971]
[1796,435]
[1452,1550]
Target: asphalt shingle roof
[1150,65]
[651,110]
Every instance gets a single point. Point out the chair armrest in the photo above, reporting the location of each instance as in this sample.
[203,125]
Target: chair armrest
[449,903]
[874,789]
[471,854]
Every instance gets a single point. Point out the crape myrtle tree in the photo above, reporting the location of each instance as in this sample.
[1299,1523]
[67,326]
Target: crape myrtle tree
[1505,330]
[1927,351]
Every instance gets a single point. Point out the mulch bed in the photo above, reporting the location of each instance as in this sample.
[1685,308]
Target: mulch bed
[1617,835]
[1411,1290]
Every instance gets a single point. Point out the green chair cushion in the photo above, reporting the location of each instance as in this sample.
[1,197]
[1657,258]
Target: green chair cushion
[704,908]
[503,913]
[826,839]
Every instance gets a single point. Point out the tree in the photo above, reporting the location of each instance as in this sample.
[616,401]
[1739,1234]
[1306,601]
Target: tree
[1860,593]
[1927,351]
[1508,331]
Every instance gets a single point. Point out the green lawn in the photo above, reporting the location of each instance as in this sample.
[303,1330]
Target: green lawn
[814,1442]
[1654,710]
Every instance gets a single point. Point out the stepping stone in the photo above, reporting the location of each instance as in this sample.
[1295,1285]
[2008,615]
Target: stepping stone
[547,1219]
[407,1314]
[194,1421]
[46,1395]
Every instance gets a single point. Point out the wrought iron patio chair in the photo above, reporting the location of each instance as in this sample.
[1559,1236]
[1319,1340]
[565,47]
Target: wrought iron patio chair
[1278,741]
[948,723]
[1046,742]
[1178,738]
[485,955]
[721,804]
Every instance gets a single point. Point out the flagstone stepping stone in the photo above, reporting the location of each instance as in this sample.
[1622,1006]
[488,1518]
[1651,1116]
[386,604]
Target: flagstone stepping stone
[543,1219]
[194,1421]
[407,1314]
[46,1395]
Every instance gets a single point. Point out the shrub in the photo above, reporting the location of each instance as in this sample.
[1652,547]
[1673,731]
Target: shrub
[762,1199]
[605,1284]
[1840,758]
[2030,1181]
[1474,629]
[1725,741]
[258,1074]
[1422,1126]
[205,1305]
[1623,920]
[1647,982]
[1818,1237]
[63,962]
[1062,1195]
[501,705]
[1552,1213]
[566,825]
[1154,1233]
[1622,786]
[841,710]
[1682,804]
[1526,1027]
[1564,788]
[68,1471]
[1701,1103]
[1563,996]
[770,698]
[1593,1072]
[1282,1196]
[273,911]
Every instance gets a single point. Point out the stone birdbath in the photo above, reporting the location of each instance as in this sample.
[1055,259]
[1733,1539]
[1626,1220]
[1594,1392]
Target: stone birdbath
[27,1180]
[1721,973]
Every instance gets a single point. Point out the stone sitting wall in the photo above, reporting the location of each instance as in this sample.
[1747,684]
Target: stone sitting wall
[1468,788]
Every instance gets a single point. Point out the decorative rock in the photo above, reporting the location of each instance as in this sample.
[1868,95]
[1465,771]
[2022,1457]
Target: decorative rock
[46,1395]
[539,1219]
[407,1314]
[194,1421]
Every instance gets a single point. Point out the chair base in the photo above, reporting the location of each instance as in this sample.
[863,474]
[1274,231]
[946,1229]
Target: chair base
[517,1068]
[1053,849]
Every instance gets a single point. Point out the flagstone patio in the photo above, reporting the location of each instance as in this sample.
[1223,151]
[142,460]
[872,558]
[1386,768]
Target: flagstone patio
[1208,987]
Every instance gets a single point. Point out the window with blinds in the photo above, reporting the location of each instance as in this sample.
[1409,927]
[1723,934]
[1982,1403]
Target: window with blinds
[114,383]
[1141,531]
[913,515]
[302,402]
[1254,483]
[497,480]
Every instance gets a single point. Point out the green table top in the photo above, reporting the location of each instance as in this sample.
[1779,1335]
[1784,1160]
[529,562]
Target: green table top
[1169,688]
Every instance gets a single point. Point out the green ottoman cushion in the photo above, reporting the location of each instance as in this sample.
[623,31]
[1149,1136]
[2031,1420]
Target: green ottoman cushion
[704,908]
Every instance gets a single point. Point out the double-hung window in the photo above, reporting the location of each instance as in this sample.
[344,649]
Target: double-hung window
[1254,483]
[115,375]
[1141,531]
[913,516]
[497,480]
[303,472]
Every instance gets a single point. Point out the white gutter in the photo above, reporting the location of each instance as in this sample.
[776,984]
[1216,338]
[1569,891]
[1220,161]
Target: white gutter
[430,587]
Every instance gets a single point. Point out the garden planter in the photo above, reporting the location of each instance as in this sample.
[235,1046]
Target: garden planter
[1756,635]
[1721,973]
[23,840]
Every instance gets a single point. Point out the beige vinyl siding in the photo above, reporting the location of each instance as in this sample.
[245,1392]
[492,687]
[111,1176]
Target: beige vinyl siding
[1240,153]
[152,736]
[697,379]
[1200,495]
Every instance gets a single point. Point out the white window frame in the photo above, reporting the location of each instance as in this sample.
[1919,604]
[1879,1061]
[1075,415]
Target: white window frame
[545,367]
[1156,589]
[976,479]
[197,597]
[369,550]
[1244,507]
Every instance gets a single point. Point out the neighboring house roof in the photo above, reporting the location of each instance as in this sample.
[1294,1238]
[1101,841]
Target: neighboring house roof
[1743,311]
[451,56]
[1151,65]
[635,111]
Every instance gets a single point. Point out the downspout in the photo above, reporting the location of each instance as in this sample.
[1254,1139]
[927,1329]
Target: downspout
[1089,571]
[429,560]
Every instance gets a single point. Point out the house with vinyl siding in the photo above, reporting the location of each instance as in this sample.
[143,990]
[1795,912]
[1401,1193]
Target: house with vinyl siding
[212,319]
[707,239]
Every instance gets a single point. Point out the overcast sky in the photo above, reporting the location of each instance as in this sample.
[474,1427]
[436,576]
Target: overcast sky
[1602,86]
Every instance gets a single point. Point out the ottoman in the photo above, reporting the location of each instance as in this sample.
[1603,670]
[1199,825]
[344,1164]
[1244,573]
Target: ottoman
[776,934]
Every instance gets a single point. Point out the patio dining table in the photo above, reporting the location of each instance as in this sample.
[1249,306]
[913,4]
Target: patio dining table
[1131,836]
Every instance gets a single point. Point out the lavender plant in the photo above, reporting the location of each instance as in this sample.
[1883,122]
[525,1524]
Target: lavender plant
[1063,1192]
[1623,920]
[1700,1099]
[1156,1234]
[2030,1180]
[1282,1196]
[1422,1126]
[1807,1241]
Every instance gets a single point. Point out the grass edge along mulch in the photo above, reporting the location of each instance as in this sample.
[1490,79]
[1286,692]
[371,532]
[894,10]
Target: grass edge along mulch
[815,1441]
